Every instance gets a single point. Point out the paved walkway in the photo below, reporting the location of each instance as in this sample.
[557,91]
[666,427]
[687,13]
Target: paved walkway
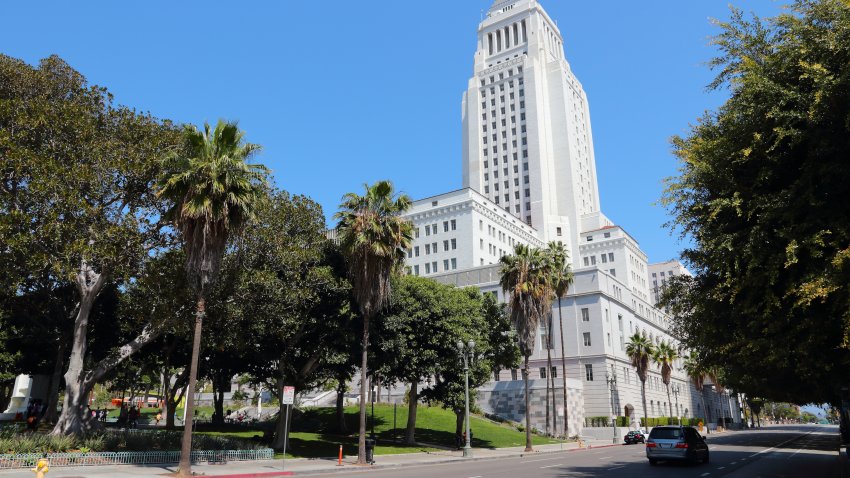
[301,466]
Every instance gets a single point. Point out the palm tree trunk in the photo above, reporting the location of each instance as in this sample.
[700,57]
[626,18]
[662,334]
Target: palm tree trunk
[528,446]
[185,466]
[548,391]
[549,376]
[563,368]
[669,402]
[361,441]
[643,396]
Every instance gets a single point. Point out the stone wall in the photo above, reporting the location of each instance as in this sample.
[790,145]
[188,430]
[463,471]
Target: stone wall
[506,399]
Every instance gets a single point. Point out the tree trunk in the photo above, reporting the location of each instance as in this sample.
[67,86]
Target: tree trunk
[410,432]
[669,402]
[185,466]
[377,387]
[550,391]
[218,399]
[551,377]
[282,413]
[361,440]
[52,413]
[643,397]
[74,420]
[563,369]
[460,416]
[722,412]
[341,427]
[528,446]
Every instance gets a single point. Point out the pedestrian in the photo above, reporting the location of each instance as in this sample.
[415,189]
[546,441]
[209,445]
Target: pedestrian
[158,418]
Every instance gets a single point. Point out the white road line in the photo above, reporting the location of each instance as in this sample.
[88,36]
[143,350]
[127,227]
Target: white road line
[705,474]
[542,459]
[551,466]
[606,457]
[734,463]
[617,467]
[721,467]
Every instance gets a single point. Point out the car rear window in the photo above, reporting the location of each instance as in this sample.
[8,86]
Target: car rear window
[666,433]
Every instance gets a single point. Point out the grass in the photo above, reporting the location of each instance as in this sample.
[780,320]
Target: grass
[313,432]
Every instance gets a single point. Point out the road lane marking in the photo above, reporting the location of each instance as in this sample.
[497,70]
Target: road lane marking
[721,467]
[551,466]
[606,457]
[705,474]
[543,459]
[616,467]
[734,463]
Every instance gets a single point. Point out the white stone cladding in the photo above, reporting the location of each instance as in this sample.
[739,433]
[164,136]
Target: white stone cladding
[460,230]
[660,272]
[527,142]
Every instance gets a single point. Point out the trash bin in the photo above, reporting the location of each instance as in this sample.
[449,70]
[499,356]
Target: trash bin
[370,450]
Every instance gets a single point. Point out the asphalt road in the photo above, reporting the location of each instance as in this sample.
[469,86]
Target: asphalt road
[772,452]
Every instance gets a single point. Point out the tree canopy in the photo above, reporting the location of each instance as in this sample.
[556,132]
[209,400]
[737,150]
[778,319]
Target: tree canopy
[762,192]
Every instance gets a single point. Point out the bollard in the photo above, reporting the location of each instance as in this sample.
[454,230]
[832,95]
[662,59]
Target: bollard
[340,456]
[41,468]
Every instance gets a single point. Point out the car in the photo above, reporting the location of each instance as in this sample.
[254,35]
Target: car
[676,443]
[634,436]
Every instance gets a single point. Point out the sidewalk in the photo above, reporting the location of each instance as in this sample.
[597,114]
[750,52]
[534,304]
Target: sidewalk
[301,466]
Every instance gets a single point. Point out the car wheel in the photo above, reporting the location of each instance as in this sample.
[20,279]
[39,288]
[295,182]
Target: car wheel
[653,461]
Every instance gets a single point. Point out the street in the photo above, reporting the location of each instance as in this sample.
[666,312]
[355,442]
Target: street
[773,452]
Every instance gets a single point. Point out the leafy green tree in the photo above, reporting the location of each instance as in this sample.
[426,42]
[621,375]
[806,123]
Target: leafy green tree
[762,193]
[664,355]
[76,201]
[213,192]
[640,351]
[417,334]
[373,237]
[495,349]
[298,334]
[526,280]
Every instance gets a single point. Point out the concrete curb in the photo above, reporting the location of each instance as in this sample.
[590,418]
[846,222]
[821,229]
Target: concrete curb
[254,475]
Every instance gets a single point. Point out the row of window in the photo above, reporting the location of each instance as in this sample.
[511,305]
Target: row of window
[431,267]
[605,258]
[605,235]
[448,244]
[432,228]
[507,37]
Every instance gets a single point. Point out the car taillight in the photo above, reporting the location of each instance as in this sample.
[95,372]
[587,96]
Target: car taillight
[650,444]
[681,445]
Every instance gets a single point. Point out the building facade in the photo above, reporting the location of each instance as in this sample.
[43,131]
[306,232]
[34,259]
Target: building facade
[527,142]
[660,273]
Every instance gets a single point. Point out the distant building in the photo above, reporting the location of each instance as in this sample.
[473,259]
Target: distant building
[661,272]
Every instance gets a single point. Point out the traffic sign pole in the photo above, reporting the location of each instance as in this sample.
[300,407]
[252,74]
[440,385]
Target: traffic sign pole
[287,399]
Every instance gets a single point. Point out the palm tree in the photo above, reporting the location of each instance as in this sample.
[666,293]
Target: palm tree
[525,281]
[373,237]
[562,278]
[640,351]
[665,356]
[697,373]
[213,192]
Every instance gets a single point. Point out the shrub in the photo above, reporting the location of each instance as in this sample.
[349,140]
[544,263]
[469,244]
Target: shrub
[115,441]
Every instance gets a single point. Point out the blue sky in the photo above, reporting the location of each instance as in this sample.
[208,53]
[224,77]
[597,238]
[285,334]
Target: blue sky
[340,93]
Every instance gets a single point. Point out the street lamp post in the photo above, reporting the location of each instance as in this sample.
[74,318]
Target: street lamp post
[611,379]
[676,391]
[467,353]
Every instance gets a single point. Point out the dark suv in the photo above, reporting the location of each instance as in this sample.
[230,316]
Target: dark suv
[676,443]
[634,436]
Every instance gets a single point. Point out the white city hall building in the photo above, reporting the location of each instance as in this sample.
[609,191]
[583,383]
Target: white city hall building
[529,176]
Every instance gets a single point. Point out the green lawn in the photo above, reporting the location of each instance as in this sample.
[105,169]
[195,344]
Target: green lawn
[313,432]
